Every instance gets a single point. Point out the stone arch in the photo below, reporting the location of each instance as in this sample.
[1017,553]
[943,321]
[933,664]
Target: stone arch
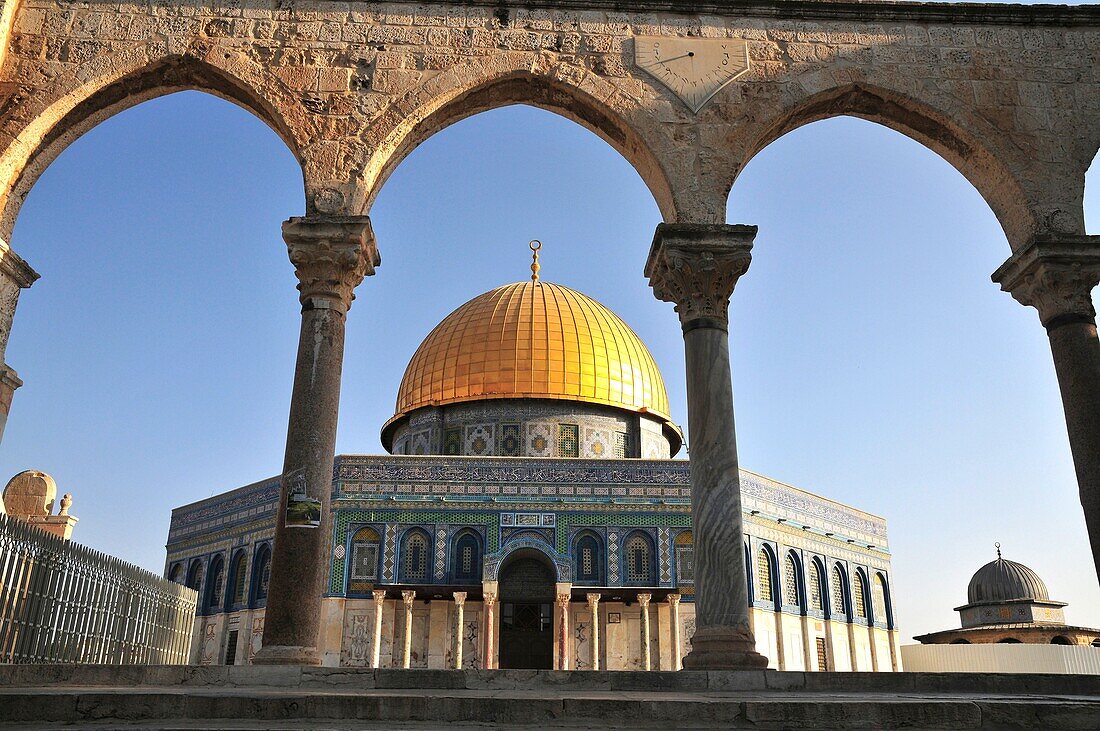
[52,120]
[515,78]
[922,122]
[512,550]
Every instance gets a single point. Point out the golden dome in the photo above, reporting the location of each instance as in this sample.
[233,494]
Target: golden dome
[534,340]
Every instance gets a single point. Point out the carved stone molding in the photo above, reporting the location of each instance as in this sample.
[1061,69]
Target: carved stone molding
[1055,276]
[331,255]
[696,267]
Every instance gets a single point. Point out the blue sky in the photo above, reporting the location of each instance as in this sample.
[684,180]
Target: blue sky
[873,360]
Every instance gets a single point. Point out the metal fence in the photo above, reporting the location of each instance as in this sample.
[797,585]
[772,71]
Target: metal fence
[66,603]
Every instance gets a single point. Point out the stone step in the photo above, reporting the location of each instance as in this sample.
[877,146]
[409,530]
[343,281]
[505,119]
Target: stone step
[291,697]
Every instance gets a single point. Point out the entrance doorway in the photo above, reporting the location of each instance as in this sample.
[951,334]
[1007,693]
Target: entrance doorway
[526,617]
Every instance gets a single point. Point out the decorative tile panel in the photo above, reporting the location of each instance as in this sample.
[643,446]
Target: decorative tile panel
[664,555]
[540,442]
[441,553]
[479,440]
[613,557]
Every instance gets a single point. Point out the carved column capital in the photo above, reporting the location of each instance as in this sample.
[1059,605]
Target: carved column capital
[593,600]
[489,598]
[331,255]
[1056,277]
[563,600]
[643,599]
[696,266]
[379,596]
[407,597]
[460,598]
[673,598]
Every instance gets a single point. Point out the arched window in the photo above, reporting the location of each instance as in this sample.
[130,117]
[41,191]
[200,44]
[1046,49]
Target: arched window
[838,596]
[1060,640]
[685,558]
[468,558]
[960,642]
[194,575]
[261,574]
[589,560]
[639,559]
[817,588]
[791,594]
[216,592]
[175,573]
[764,573]
[364,560]
[1009,641]
[237,571]
[414,557]
[859,595]
[878,600]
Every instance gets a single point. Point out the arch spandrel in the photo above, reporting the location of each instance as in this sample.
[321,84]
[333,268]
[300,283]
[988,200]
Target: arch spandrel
[492,82]
[39,126]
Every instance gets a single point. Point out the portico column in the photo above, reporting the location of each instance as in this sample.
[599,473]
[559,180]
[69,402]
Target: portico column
[674,614]
[379,603]
[15,276]
[696,266]
[563,632]
[489,599]
[1056,277]
[331,255]
[643,602]
[594,608]
[460,600]
[407,598]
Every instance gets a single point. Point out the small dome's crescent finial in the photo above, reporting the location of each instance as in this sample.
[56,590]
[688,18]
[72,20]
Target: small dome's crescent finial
[998,545]
[535,246]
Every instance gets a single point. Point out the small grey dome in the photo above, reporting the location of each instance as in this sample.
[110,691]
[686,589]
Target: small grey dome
[1003,580]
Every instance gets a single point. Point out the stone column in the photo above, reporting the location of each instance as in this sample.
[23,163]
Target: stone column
[674,613]
[643,603]
[379,604]
[1057,277]
[594,608]
[489,599]
[460,600]
[696,266]
[407,598]
[15,276]
[563,632]
[331,255]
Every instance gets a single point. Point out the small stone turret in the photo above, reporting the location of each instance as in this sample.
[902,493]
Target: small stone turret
[31,495]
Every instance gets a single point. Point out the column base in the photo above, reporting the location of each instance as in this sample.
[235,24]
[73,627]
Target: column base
[723,648]
[286,655]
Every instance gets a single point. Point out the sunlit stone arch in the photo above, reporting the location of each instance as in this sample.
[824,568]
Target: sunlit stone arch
[42,125]
[507,79]
[991,172]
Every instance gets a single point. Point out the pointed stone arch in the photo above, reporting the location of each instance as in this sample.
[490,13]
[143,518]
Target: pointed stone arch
[41,126]
[991,174]
[507,79]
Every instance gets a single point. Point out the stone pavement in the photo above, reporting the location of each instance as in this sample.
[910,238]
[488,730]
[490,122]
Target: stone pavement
[282,697]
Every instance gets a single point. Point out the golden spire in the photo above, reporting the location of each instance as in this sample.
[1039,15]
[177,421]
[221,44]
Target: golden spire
[998,545]
[535,246]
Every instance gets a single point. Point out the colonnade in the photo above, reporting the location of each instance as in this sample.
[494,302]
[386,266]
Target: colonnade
[694,266]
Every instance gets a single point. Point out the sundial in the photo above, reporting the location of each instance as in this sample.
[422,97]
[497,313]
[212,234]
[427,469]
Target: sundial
[694,69]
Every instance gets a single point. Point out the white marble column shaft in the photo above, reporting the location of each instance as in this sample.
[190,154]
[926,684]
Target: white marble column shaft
[460,601]
[376,647]
[594,608]
[643,603]
[489,599]
[674,619]
[407,598]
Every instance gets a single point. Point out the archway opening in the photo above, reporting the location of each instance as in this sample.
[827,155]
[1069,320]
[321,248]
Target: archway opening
[1092,197]
[158,347]
[526,611]
[868,333]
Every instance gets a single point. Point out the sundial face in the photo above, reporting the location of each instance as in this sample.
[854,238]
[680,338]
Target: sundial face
[695,69]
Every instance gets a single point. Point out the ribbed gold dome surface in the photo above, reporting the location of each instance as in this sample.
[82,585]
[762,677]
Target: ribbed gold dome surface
[533,340]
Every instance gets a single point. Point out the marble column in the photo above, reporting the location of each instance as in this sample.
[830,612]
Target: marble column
[379,604]
[643,604]
[489,600]
[696,266]
[594,608]
[407,598]
[460,600]
[674,615]
[15,276]
[331,255]
[1056,276]
[563,632]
